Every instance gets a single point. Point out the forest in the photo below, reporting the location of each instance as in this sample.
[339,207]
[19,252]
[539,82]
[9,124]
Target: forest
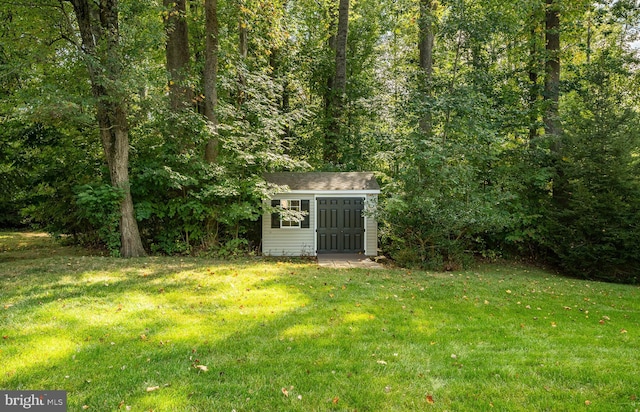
[497,129]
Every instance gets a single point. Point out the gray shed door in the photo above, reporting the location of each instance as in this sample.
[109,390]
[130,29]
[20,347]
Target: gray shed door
[340,225]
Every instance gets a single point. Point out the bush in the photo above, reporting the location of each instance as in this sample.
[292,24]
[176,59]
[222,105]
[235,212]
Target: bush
[100,207]
[443,223]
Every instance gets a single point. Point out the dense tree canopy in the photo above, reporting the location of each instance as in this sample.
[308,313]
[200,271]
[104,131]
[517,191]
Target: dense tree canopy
[497,128]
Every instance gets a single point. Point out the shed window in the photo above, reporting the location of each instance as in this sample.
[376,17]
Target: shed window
[295,214]
[293,205]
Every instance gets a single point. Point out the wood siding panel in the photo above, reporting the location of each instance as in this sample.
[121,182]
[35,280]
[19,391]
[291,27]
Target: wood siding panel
[289,241]
[371,229]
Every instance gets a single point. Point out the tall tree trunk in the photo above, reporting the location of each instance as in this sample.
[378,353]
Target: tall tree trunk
[211,78]
[177,50]
[533,88]
[552,68]
[328,94]
[98,26]
[278,67]
[340,83]
[279,75]
[243,51]
[552,96]
[338,86]
[426,33]
[534,68]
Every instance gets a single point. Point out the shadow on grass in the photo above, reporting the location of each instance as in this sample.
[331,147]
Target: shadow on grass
[168,334]
[151,325]
[26,246]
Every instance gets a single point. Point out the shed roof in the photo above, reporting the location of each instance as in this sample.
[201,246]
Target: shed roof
[323,181]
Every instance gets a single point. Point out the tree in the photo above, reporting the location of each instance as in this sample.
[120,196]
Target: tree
[98,26]
[486,146]
[551,95]
[338,86]
[340,82]
[177,54]
[426,35]
[595,232]
[533,67]
[243,51]
[211,78]
[552,67]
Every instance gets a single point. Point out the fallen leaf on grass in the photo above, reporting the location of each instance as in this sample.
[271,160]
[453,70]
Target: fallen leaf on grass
[623,331]
[335,400]
[202,368]
[85,407]
[285,392]
[587,402]
[430,399]
[381,362]
[152,388]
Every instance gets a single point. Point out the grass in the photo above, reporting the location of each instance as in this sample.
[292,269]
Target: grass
[188,334]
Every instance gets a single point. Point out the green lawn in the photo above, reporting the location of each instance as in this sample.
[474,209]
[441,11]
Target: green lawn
[188,334]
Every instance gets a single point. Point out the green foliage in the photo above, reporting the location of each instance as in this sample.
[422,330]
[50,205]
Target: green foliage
[454,196]
[593,233]
[186,205]
[170,215]
[482,178]
[12,176]
[441,221]
[41,164]
[100,207]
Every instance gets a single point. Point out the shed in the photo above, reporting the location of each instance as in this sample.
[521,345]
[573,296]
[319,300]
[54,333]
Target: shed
[338,219]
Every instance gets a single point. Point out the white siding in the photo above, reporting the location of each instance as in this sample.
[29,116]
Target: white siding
[371,227]
[289,241]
